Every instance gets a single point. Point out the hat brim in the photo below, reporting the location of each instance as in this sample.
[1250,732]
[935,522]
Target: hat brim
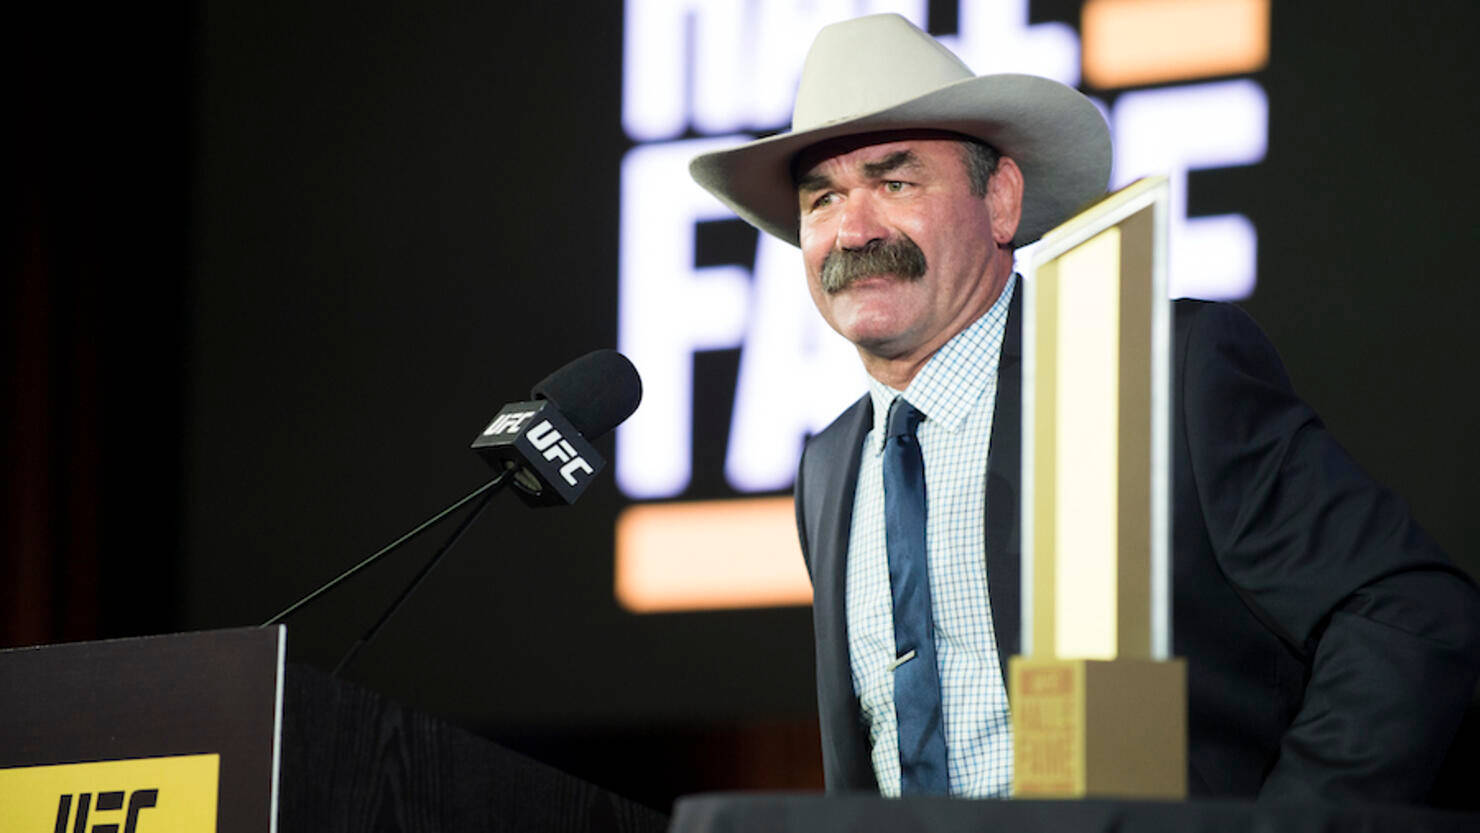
[1054,134]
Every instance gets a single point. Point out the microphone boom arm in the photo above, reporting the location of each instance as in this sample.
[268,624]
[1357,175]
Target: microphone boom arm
[385,617]
[491,485]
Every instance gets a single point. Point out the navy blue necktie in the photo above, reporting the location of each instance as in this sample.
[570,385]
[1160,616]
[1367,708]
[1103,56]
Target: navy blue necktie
[922,743]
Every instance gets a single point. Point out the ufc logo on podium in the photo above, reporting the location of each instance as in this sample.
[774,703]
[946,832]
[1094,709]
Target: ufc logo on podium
[108,802]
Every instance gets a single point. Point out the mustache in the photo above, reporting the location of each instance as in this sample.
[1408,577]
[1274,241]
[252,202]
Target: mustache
[900,257]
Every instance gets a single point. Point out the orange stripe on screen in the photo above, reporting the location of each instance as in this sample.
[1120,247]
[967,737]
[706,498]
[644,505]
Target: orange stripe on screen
[1131,42]
[710,555]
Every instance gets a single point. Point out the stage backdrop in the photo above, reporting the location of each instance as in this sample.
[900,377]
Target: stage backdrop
[404,215]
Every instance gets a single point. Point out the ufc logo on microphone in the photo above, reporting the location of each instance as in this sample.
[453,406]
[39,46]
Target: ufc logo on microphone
[545,438]
[108,802]
[509,423]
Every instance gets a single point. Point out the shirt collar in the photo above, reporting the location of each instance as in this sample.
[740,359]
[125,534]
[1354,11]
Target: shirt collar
[955,378]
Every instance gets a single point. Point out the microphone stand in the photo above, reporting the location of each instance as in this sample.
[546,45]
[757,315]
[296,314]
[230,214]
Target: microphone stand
[485,491]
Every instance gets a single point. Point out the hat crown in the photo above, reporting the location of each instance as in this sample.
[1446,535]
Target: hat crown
[863,65]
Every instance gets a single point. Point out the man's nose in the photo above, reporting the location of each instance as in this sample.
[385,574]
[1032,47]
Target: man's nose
[860,223]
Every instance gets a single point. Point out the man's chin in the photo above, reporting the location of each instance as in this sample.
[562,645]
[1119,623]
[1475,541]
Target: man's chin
[875,336]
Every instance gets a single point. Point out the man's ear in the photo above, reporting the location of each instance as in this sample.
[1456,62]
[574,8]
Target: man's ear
[1005,200]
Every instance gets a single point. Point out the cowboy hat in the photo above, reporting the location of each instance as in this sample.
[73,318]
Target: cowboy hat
[880,73]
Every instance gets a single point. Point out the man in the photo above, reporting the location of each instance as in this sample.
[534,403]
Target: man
[1331,647]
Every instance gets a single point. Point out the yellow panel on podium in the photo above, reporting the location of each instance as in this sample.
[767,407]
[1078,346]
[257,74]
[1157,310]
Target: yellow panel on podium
[1098,708]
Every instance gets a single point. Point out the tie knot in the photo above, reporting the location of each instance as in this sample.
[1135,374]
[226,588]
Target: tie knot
[904,418]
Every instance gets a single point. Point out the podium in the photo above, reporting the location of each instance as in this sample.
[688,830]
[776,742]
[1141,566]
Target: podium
[857,813]
[212,731]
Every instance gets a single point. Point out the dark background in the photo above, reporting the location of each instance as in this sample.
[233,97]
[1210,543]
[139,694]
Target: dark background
[273,266]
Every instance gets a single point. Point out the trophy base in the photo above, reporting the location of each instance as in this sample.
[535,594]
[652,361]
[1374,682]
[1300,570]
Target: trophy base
[1099,728]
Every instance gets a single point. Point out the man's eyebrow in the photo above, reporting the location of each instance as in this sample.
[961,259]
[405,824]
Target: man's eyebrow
[813,182]
[889,164]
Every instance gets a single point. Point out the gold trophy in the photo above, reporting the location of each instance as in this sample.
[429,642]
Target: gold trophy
[1099,707]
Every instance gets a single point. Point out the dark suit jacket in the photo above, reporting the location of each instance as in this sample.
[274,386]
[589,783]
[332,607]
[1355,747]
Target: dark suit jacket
[1331,647]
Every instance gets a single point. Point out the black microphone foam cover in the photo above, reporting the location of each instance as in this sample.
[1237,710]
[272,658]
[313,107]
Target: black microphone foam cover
[595,392]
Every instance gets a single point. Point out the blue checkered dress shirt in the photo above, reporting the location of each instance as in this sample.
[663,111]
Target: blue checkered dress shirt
[957,391]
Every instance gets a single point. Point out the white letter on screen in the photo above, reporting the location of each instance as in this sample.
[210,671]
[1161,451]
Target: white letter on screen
[996,37]
[656,71]
[668,309]
[796,374]
[1171,131]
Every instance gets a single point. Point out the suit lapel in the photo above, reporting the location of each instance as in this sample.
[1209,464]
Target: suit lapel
[1004,472]
[828,507]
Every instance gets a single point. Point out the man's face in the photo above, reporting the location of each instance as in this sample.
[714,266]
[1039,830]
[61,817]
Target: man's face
[900,255]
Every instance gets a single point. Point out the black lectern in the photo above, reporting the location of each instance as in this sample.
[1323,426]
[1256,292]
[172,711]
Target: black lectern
[777,813]
[211,732]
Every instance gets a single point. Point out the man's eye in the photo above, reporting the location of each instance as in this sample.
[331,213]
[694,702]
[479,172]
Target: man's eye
[825,199]
[893,186]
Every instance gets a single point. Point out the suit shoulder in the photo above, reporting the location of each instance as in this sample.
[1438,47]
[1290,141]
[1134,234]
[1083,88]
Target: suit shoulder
[842,430]
[1213,336]
[1193,313]
[1215,320]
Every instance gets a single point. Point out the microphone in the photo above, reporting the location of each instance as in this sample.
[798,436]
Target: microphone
[546,442]
[540,445]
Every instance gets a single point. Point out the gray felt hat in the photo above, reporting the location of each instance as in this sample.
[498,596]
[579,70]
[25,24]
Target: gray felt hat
[882,73]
